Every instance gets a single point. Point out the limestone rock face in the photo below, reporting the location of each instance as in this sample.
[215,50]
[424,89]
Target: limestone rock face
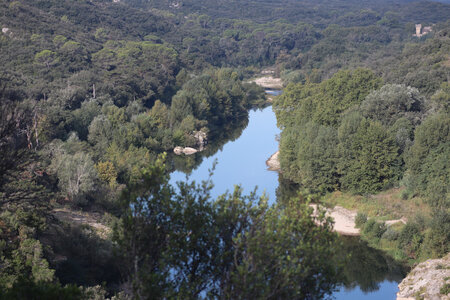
[426,280]
[201,139]
[273,162]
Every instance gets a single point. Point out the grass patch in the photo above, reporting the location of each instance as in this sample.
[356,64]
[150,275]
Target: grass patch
[445,289]
[386,205]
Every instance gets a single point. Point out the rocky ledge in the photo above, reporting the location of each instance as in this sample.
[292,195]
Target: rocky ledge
[427,281]
[201,140]
[273,162]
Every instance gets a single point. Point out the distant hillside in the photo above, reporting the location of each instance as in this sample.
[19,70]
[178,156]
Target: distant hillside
[313,12]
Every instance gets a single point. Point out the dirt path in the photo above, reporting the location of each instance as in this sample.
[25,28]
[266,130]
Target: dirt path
[82,218]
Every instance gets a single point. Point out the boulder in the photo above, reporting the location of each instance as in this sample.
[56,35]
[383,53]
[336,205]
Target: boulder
[189,150]
[178,150]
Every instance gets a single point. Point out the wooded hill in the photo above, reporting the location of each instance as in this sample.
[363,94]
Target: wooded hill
[93,92]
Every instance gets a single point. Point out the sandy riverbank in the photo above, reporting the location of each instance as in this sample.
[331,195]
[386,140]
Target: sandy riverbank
[269,82]
[344,220]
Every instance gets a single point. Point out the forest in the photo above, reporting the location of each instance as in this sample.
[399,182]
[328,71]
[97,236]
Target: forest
[95,95]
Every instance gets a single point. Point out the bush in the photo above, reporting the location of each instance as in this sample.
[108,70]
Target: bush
[378,230]
[374,229]
[411,239]
[360,220]
[407,234]
[405,195]
[390,234]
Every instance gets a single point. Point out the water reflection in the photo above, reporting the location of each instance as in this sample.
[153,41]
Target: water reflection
[274,92]
[229,133]
[366,267]
[368,273]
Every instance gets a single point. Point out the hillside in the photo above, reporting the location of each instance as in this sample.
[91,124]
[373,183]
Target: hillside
[95,96]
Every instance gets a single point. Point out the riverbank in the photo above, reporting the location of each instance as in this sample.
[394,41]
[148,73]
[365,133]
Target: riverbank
[269,82]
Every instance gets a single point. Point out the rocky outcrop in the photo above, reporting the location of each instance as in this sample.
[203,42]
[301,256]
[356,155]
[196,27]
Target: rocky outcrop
[273,162]
[201,139]
[426,280]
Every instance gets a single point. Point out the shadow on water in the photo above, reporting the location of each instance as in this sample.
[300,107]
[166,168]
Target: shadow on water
[366,267]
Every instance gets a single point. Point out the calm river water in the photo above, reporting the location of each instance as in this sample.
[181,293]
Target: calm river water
[370,274]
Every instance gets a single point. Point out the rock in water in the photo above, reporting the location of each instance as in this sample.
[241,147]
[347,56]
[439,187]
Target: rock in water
[178,150]
[189,150]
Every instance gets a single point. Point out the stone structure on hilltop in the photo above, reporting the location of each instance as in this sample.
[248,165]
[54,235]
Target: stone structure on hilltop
[422,31]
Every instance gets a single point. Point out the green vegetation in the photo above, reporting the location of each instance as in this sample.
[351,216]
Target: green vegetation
[233,247]
[92,92]
[356,134]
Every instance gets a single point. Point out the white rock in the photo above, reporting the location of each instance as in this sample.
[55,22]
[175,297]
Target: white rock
[178,150]
[189,150]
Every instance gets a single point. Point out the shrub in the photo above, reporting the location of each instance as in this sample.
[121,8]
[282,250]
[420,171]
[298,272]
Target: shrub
[369,226]
[360,220]
[374,229]
[391,234]
[378,230]
[405,195]
[407,234]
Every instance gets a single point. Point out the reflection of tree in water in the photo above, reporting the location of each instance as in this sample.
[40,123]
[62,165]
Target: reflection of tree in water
[367,267]
[286,189]
[364,266]
[229,132]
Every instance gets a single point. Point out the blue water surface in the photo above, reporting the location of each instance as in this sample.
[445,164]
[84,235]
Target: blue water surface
[243,162]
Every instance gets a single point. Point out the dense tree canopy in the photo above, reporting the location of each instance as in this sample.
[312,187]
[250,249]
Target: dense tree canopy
[92,92]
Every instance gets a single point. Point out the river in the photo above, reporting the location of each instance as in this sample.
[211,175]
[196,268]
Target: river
[370,273]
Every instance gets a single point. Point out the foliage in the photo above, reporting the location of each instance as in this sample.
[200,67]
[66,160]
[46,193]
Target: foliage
[76,174]
[360,220]
[224,247]
[392,102]
[26,289]
[359,156]
[428,159]
[367,156]
[92,91]
[410,239]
